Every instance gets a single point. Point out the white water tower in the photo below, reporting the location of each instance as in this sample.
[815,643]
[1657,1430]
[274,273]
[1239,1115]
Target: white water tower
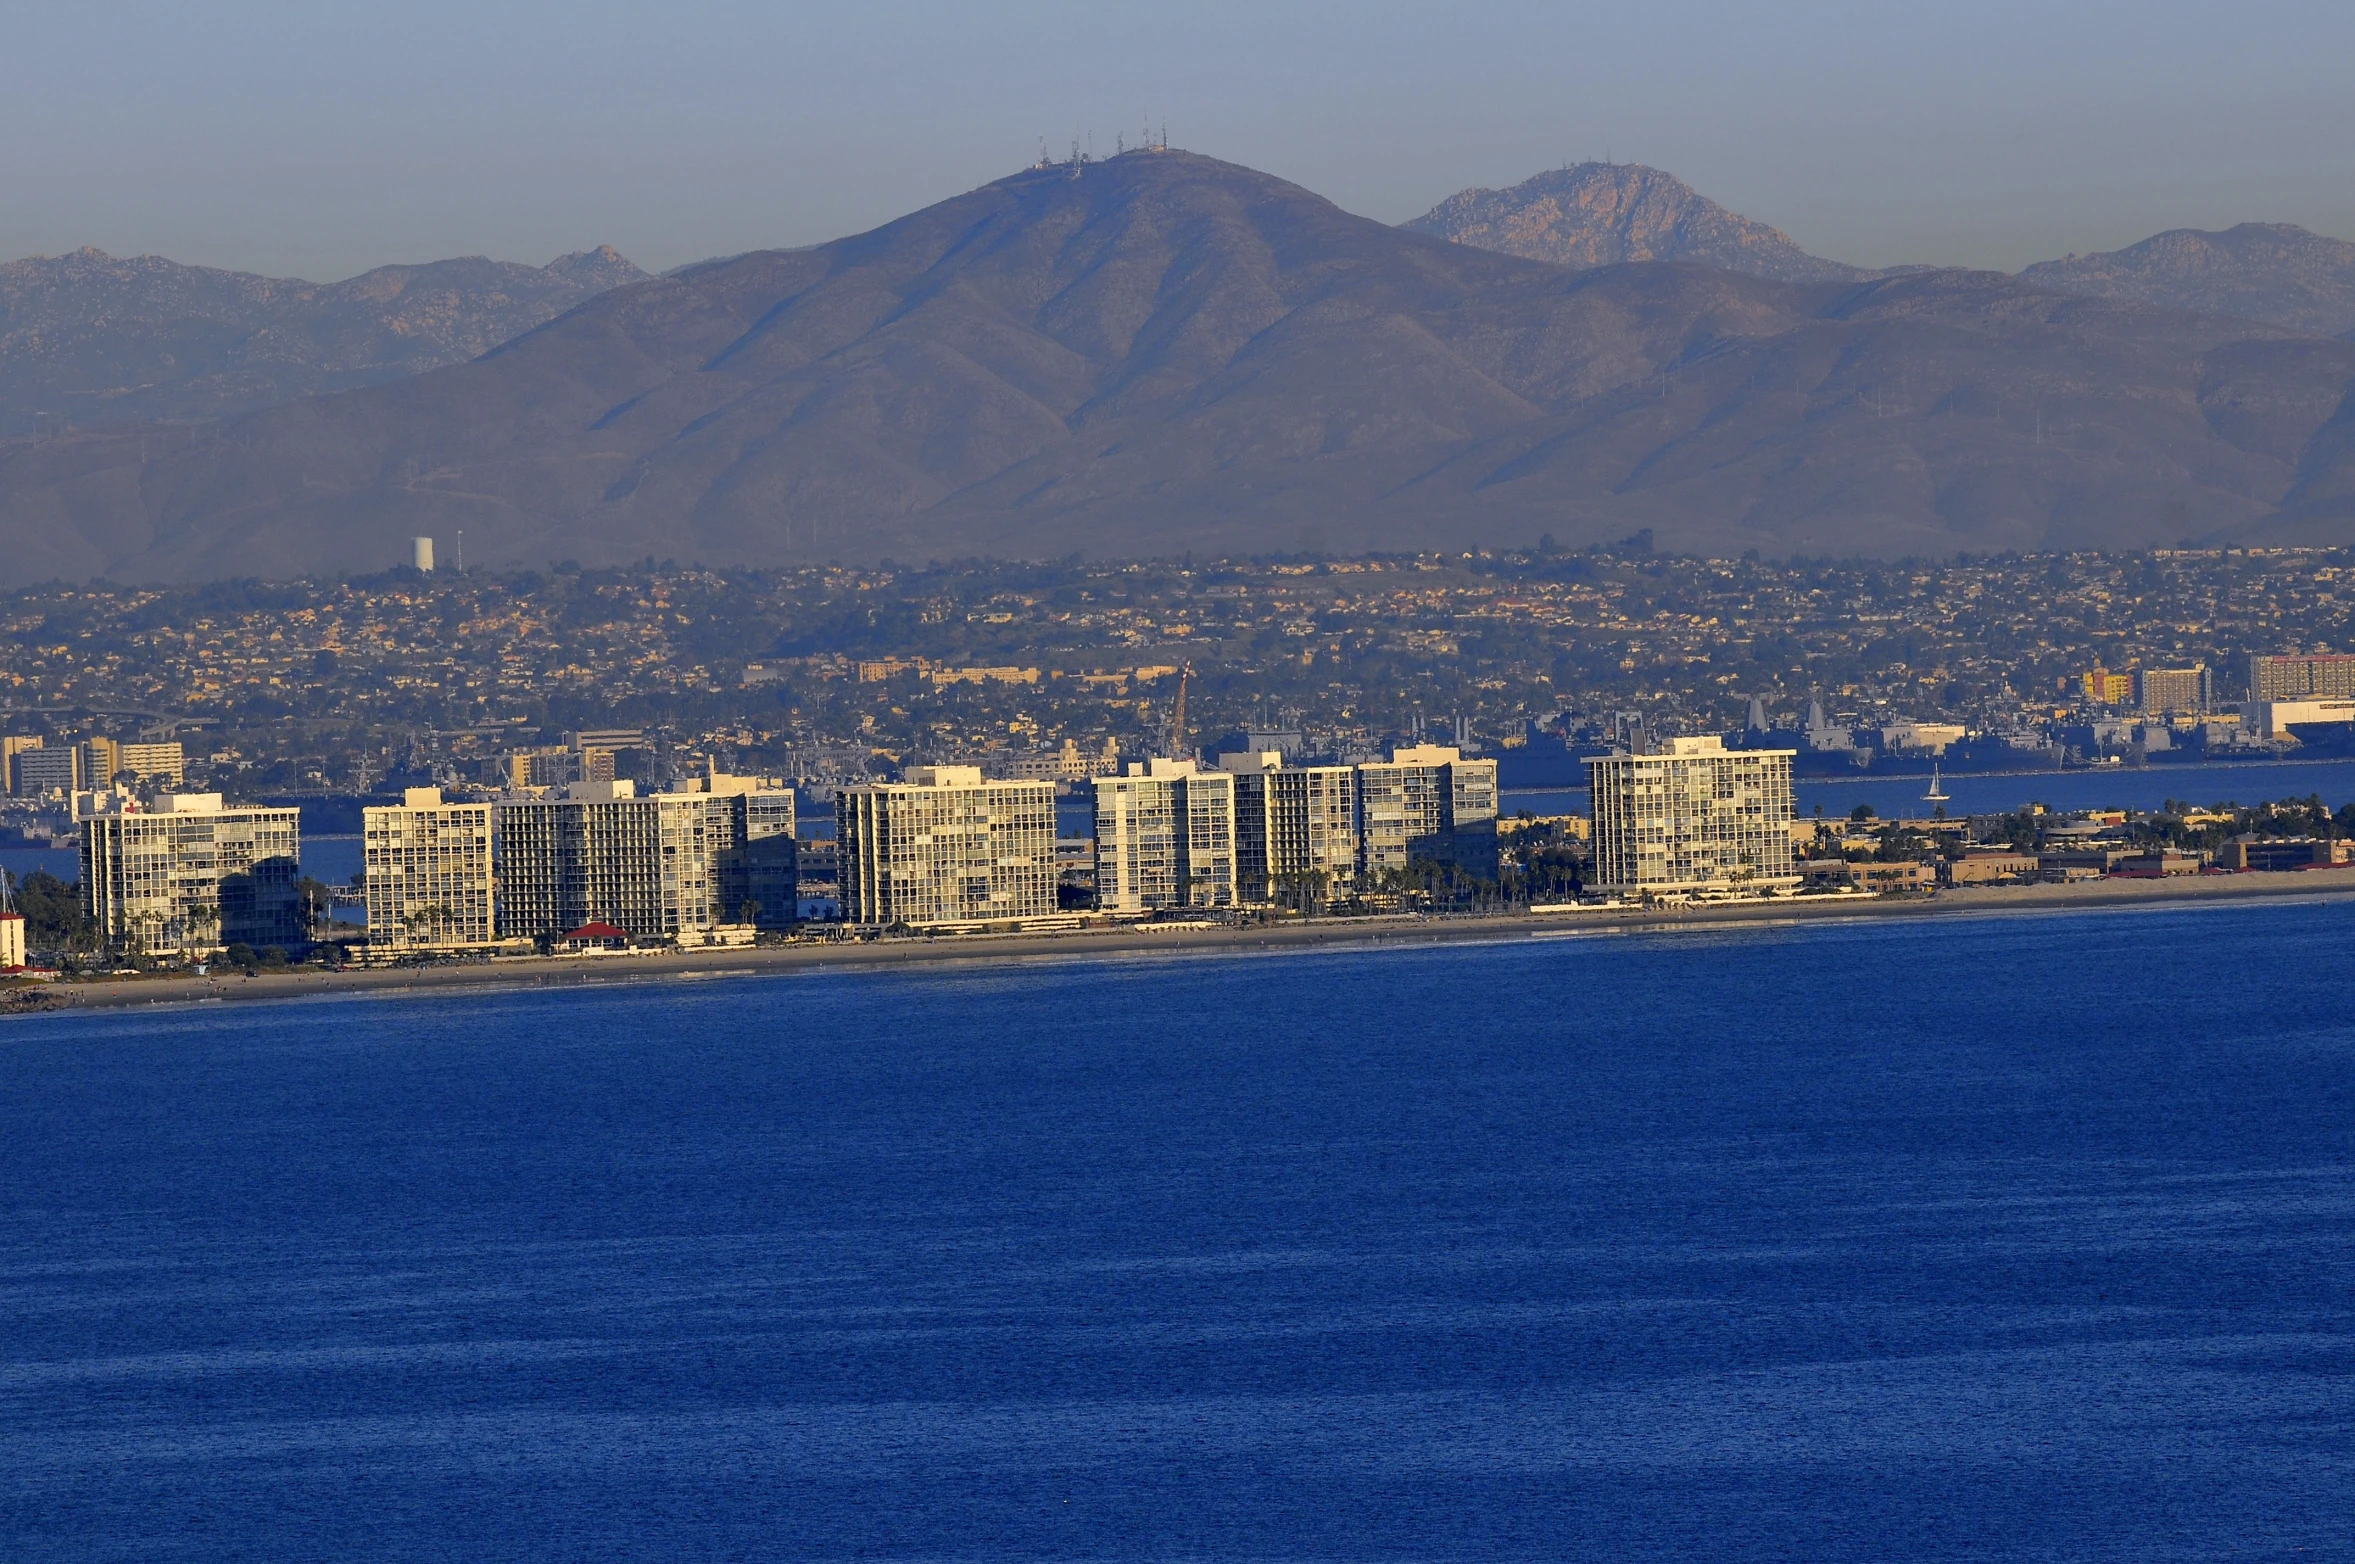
[421,554]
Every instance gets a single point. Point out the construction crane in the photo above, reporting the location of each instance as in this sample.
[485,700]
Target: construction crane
[1177,714]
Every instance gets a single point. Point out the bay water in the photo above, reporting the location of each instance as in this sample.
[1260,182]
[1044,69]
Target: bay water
[2008,1237]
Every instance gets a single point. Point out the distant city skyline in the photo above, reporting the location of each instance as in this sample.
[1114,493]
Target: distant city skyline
[272,138]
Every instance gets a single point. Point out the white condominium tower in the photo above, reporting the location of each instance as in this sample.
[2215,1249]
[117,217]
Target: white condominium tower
[657,868]
[1296,836]
[1427,802]
[186,874]
[1165,837]
[1693,817]
[945,848]
[427,873]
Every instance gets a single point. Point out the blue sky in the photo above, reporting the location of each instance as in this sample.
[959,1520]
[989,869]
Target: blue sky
[318,140]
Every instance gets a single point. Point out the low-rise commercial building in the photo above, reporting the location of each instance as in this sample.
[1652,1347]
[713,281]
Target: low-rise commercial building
[2289,719]
[427,873]
[1165,838]
[945,848]
[2081,860]
[1879,879]
[187,875]
[2164,863]
[1990,866]
[2280,854]
[1692,817]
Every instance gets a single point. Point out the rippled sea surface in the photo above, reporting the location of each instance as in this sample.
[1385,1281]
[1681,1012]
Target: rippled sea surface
[2012,1237]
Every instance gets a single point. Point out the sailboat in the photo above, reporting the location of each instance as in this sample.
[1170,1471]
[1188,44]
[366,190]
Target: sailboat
[1937,794]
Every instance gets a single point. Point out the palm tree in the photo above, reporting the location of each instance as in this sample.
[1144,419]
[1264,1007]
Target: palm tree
[427,921]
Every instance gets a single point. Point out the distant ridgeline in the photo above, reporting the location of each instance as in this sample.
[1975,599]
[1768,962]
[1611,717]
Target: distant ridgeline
[1228,365]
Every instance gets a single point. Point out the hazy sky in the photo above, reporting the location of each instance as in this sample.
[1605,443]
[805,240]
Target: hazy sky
[318,140]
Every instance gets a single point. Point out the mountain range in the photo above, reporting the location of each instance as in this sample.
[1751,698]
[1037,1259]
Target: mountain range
[1162,352]
[89,338]
[1596,214]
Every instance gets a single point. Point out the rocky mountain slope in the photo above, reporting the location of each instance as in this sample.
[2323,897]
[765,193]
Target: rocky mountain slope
[1163,352]
[88,339]
[2265,271]
[1600,214]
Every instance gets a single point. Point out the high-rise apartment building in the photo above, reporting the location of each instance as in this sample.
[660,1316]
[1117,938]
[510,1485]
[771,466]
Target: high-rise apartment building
[2290,678]
[1295,827]
[95,763]
[189,875]
[772,857]
[2159,691]
[666,866]
[427,873]
[15,781]
[763,873]
[1692,817]
[945,847]
[156,765]
[101,761]
[50,769]
[1165,838]
[1429,803]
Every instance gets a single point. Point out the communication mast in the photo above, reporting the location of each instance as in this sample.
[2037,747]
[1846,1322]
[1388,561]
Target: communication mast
[1177,714]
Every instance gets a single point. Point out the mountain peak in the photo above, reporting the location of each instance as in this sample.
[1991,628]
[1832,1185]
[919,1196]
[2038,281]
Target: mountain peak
[2274,272]
[601,268]
[1602,214]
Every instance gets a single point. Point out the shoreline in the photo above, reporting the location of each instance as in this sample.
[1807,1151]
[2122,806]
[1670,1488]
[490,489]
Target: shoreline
[759,961]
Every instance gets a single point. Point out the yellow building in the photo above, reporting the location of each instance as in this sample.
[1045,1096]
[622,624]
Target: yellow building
[2108,689]
[157,765]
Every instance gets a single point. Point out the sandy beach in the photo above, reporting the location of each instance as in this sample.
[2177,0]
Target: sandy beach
[709,965]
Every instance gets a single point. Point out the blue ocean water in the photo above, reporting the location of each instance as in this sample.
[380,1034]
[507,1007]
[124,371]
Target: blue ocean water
[1976,1238]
